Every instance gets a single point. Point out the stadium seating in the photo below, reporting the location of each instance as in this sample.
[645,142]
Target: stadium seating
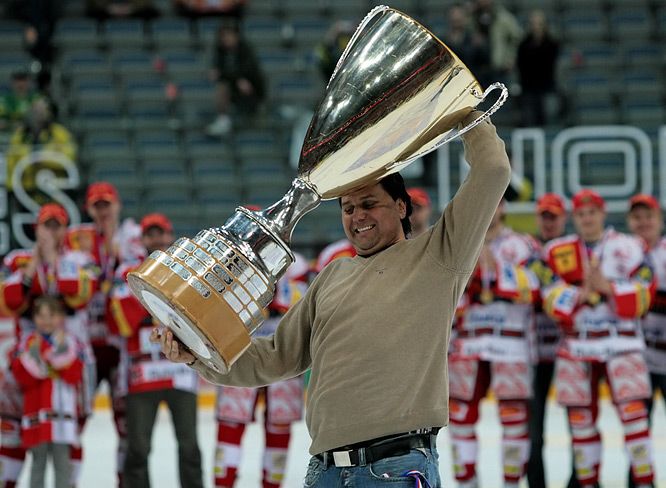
[137,94]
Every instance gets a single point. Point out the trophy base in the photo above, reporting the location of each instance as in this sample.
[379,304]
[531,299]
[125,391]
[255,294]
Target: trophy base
[205,322]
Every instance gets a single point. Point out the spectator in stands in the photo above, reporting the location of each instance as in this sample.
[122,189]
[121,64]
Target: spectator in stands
[148,378]
[201,8]
[38,131]
[502,34]
[40,17]
[15,104]
[331,48]
[110,9]
[536,61]
[468,44]
[238,77]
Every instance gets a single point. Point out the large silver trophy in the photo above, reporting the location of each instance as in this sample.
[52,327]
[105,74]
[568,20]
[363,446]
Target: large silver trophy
[396,94]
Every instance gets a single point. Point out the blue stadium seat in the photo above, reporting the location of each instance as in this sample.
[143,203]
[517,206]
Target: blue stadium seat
[165,169]
[118,171]
[150,114]
[109,146]
[264,31]
[309,30]
[581,27]
[183,65]
[135,65]
[86,61]
[171,32]
[646,84]
[11,35]
[73,33]
[145,90]
[633,24]
[201,147]
[297,89]
[155,144]
[642,55]
[124,33]
[214,172]
[643,112]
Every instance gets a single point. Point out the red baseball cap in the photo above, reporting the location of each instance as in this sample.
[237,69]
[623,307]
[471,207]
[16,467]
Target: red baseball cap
[156,220]
[101,191]
[551,203]
[588,197]
[419,197]
[52,211]
[644,199]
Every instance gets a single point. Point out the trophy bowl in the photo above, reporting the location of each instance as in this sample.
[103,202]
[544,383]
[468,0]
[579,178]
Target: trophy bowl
[396,94]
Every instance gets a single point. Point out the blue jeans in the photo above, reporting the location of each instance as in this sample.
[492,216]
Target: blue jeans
[387,472]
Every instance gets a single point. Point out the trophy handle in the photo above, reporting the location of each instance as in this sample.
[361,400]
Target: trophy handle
[500,101]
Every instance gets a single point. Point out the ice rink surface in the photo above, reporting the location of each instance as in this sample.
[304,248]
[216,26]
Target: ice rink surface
[100,441]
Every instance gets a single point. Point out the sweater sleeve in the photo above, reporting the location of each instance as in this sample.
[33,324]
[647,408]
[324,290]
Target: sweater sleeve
[283,355]
[458,236]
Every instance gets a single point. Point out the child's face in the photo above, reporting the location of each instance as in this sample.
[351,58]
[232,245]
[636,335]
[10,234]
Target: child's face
[47,321]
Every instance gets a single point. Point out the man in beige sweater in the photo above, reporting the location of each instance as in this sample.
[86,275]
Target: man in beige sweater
[375,328]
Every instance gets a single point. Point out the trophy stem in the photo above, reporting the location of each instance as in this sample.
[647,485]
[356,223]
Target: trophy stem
[282,216]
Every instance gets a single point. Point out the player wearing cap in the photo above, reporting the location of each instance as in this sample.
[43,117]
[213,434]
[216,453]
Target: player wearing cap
[551,220]
[421,210]
[602,286]
[645,219]
[111,243]
[492,350]
[235,407]
[47,269]
[148,378]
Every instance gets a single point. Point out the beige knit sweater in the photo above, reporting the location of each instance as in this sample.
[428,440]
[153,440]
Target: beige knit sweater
[375,330]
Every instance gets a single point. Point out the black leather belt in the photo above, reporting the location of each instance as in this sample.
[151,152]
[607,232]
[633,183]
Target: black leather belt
[396,445]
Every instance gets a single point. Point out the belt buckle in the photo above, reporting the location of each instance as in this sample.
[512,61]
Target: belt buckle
[341,459]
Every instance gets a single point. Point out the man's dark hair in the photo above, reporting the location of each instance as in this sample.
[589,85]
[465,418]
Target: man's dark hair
[394,185]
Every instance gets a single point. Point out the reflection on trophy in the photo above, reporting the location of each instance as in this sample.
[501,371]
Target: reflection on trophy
[396,94]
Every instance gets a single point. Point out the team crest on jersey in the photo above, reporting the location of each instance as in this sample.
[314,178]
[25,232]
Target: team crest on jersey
[565,259]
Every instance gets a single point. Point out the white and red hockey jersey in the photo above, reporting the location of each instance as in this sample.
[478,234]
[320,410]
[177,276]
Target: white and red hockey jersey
[49,371]
[654,323]
[284,399]
[602,326]
[143,367]
[125,247]
[496,321]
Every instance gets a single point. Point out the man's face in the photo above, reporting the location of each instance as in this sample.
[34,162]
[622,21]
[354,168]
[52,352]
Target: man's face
[55,229]
[104,212]
[371,219]
[645,222]
[156,239]
[550,225]
[589,222]
[420,218]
